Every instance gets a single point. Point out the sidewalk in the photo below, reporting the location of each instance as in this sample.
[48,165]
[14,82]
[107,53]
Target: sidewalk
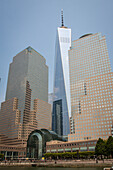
[61,163]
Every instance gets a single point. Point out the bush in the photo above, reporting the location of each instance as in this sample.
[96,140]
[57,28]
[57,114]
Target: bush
[69,155]
[1,156]
[86,154]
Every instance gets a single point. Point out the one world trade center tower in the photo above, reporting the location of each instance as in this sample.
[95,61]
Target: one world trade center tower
[61,95]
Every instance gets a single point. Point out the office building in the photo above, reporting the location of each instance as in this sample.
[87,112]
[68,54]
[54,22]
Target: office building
[28,83]
[91,84]
[43,114]
[50,98]
[61,93]
[10,116]
[12,140]
[60,147]
[28,71]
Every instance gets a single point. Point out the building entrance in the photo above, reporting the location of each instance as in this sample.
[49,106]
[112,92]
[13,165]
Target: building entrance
[35,146]
[36,143]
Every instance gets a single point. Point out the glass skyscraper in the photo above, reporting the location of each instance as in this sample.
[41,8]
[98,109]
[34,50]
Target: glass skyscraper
[28,81]
[28,74]
[61,94]
[91,84]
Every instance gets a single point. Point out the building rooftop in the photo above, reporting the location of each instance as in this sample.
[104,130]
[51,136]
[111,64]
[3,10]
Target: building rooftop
[85,35]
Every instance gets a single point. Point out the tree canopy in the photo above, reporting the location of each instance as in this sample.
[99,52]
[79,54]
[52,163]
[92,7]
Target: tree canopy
[109,146]
[104,147]
[100,148]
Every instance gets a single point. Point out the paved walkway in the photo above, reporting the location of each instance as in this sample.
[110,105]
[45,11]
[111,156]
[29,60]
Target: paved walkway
[61,163]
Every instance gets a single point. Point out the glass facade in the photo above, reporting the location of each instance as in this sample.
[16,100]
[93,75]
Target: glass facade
[27,67]
[57,117]
[27,81]
[61,80]
[36,143]
[91,83]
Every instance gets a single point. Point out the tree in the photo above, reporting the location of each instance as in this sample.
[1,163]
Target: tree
[1,156]
[109,146]
[86,154]
[100,148]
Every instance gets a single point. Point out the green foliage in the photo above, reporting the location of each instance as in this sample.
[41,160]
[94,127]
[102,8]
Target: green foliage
[109,146]
[69,155]
[1,156]
[104,147]
[87,154]
[48,155]
[100,147]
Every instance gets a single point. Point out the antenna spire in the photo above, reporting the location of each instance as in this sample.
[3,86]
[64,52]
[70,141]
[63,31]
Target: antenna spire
[62,17]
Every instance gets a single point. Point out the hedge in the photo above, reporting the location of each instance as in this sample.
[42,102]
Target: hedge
[67,155]
[1,156]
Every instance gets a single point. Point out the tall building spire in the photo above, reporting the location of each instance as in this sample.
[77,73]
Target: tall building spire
[61,95]
[62,17]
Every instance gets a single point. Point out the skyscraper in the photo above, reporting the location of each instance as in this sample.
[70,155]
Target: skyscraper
[28,69]
[91,84]
[27,73]
[50,98]
[61,94]
[28,82]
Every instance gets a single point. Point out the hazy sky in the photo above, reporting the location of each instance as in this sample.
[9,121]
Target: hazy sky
[34,23]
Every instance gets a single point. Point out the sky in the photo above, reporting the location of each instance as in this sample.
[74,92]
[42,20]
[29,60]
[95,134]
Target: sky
[34,23]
